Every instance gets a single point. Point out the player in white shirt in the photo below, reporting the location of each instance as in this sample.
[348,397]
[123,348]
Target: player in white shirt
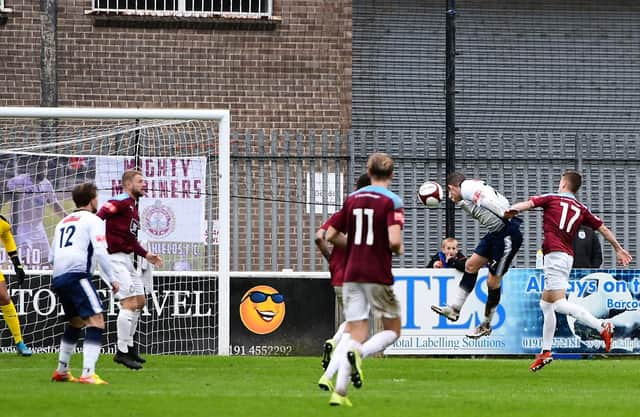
[496,249]
[78,242]
[32,195]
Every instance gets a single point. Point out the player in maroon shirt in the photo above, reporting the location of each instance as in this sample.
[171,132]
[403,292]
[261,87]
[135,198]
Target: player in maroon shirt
[563,216]
[371,219]
[122,225]
[337,258]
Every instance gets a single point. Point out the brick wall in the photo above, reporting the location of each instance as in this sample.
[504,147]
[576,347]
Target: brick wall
[297,76]
[20,55]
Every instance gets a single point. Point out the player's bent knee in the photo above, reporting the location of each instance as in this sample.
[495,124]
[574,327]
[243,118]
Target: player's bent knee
[394,324]
[141,301]
[133,303]
[494,281]
[77,322]
[97,320]
[472,268]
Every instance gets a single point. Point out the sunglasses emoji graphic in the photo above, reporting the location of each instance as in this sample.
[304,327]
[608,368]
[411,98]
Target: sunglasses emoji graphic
[262,309]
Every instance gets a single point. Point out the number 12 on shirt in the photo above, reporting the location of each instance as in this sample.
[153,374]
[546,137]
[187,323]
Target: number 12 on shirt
[65,236]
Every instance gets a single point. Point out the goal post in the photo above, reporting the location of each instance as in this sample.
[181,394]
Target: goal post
[31,135]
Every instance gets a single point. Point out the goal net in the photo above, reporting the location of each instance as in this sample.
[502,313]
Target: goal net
[184,156]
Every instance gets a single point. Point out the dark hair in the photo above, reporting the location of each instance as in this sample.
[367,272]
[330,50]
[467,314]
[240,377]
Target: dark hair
[455,178]
[363,181]
[380,166]
[574,180]
[82,194]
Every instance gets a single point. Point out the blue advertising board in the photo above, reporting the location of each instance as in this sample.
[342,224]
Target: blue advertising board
[517,325]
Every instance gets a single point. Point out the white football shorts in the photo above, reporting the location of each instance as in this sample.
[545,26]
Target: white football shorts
[361,297]
[131,282]
[557,267]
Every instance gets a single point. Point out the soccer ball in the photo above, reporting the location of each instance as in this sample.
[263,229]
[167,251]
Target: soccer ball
[430,194]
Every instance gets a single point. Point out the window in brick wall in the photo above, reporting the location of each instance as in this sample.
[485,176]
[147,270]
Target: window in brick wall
[244,8]
[1,4]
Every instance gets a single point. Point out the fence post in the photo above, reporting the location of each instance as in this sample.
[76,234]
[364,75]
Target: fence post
[450,107]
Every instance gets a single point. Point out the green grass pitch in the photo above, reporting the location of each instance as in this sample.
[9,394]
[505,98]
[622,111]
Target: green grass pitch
[282,387]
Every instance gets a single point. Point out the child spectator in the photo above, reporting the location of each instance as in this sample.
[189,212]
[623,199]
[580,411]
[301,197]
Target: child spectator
[449,256]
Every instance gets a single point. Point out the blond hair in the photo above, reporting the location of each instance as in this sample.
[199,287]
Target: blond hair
[449,240]
[380,166]
[129,175]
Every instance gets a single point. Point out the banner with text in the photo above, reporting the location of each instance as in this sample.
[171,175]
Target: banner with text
[173,208]
[517,324]
[180,316]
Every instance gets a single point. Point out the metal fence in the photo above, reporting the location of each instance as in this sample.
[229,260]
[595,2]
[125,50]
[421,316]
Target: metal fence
[284,184]
[272,181]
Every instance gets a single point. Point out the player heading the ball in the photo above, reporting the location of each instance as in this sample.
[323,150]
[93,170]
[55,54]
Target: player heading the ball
[497,248]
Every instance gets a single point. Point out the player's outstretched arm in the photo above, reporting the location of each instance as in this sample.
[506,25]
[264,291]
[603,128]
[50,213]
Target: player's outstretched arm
[623,256]
[518,208]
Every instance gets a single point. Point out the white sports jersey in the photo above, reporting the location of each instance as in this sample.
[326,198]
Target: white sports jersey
[79,241]
[488,205]
[32,199]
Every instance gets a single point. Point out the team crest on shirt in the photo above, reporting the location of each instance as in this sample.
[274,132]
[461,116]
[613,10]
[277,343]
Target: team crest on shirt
[158,220]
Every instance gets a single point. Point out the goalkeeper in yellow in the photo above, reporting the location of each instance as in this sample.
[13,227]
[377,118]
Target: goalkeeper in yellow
[6,305]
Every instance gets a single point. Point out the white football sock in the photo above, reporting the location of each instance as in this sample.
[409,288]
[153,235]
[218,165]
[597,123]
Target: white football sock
[341,350]
[124,324]
[91,350]
[344,375]
[134,326]
[90,354]
[344,371]
[338,335]
[563,306]
[378,342]
[64,357]
[549,324]
[459,298]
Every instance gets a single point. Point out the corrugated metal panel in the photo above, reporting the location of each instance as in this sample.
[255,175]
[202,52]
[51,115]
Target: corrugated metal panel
[548,66]
[542,87]
[398,62]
